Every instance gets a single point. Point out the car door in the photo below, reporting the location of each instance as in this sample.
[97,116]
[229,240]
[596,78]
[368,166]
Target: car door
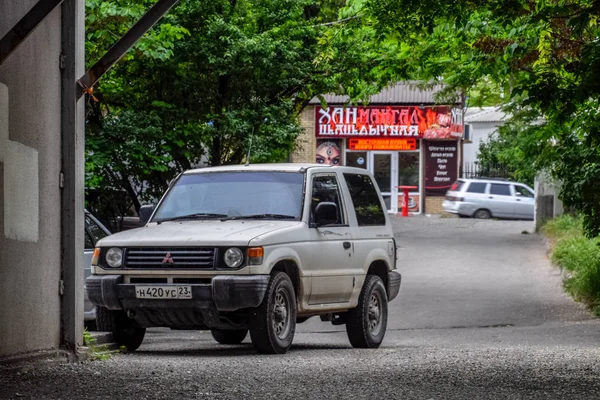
[331,271]
[368,221]
[500,200]
[523,202]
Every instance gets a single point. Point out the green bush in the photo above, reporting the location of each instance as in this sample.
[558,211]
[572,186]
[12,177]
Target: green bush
[578,255]
[565,226]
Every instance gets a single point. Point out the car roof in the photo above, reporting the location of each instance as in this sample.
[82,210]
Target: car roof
[274,167]
[496,180]
[490,180]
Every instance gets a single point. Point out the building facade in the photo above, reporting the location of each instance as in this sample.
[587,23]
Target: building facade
[481,124]
[403,137]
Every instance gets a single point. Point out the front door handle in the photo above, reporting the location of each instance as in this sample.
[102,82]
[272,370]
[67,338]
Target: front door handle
[347,245]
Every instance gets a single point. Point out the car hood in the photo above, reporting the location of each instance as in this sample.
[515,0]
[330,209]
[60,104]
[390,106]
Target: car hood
[195,233]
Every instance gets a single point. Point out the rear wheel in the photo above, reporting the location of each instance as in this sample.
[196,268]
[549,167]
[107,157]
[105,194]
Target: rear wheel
[229,337]
[125,330]
[482,214]
[366,324]
[273,323]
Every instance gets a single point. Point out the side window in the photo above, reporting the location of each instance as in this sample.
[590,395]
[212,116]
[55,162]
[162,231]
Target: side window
[325,188]
[94,229]
[88,243]
[477,187]
[500,189]
[523,191]
[365,200]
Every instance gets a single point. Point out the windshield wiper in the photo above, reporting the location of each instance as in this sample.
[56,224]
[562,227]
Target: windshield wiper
[193,216]
[261,216]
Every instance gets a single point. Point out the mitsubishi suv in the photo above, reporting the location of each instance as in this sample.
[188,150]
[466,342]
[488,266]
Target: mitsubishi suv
[255,249]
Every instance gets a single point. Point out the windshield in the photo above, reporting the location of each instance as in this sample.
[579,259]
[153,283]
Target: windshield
[234,194]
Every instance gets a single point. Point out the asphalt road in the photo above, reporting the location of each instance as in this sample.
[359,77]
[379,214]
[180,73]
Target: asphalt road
[481,315]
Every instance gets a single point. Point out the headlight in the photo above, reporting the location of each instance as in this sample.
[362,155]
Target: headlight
[114,257]
[233,257]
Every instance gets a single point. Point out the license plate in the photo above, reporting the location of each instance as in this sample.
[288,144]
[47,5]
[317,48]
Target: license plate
[163,292]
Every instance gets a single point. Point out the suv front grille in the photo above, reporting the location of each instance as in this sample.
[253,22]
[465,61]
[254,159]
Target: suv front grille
[161,258]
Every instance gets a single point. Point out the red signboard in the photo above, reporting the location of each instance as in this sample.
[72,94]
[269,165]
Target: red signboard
[382,144]
[389,121]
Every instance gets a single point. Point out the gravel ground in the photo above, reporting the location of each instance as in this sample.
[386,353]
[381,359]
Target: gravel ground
[481,315]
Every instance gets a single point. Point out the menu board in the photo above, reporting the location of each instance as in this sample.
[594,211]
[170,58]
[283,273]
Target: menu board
[441,167]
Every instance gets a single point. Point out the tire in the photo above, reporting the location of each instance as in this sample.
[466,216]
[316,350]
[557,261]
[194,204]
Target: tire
[229,337]
[124,329]
[366,324]
[482,214]
[273,323]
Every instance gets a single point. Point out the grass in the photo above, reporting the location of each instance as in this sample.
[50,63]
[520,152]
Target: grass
[578,255]
[96,352]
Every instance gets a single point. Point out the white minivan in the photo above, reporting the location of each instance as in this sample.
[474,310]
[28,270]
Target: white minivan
[487,198]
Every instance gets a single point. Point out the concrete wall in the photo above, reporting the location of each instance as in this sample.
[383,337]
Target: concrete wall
[547,203]
[30,202]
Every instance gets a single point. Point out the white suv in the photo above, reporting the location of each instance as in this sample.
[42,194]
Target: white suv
[481,198]
[253,248]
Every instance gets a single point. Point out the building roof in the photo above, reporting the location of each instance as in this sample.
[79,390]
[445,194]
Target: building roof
[400,93]
[485,114]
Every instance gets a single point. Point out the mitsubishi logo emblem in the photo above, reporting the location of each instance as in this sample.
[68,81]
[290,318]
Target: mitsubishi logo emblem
[168,259]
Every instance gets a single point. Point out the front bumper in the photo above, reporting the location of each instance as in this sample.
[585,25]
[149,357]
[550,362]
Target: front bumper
[393,284]
[224,294]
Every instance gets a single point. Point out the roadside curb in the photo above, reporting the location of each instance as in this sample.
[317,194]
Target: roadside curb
[38,359]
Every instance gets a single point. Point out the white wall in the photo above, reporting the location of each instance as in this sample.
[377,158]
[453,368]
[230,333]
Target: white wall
[480,131]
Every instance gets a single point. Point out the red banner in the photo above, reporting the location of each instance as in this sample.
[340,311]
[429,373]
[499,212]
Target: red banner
[389,121]
[382,144]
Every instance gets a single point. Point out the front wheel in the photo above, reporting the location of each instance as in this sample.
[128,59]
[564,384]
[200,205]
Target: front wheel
[273,323]
[125,331]
[229,337]
[366,324]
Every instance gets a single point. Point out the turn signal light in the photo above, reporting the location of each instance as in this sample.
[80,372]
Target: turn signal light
[96,256]
[255,255]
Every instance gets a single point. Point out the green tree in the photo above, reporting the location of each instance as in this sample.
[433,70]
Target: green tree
[206,82]
[543,57]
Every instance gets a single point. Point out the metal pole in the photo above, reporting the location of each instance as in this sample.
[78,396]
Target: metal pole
[119,49]
[25,26]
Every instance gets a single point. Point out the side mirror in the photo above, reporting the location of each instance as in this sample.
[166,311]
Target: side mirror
[145,214]
[326,213]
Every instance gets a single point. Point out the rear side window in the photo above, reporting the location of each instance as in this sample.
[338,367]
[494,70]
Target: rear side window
[477,187]
[365,200]
[500,189]
[456,186]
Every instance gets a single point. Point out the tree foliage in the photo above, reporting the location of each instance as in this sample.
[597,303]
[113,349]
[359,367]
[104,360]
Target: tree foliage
[542,55]
[208,80]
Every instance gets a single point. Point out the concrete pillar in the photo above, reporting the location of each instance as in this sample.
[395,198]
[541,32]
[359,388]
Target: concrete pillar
[72,178]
